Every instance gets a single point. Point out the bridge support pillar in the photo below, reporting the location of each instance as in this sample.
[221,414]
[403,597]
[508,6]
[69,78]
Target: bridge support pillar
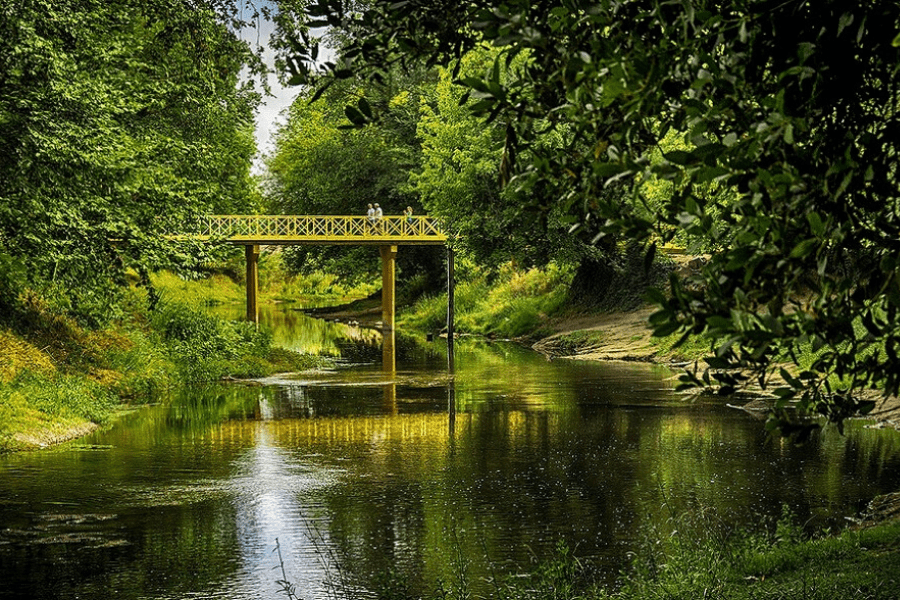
[251,252]
[388,286]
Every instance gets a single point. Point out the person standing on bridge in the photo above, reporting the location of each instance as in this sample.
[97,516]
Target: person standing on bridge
[408,214]
[378,214]
[370,216]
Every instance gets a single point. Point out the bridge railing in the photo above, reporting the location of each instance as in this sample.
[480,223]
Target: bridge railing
[325,227]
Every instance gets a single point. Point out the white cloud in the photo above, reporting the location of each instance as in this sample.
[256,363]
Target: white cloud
[270,111]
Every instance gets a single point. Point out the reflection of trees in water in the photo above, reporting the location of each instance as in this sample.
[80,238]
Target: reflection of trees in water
[360,349]
[294,402]
[509,483]
[409,350]
[155,551]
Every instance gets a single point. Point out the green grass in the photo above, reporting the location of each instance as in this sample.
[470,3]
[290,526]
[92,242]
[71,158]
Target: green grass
[276,284]
[694,348]
[577,341]
[61,379]
[512,303]
[696,558]
[207,291]
[784,564]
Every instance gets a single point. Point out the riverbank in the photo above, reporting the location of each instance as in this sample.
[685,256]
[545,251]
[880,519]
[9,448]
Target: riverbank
[704,559]
[627,336]
[60,381]
[603,336]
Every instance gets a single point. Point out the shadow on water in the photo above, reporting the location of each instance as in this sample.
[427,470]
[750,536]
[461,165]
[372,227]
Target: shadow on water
[358,470]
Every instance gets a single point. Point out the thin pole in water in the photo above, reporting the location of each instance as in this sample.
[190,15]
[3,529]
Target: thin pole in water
[450,309]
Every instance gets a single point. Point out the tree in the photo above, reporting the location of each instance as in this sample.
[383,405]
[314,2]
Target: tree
[119,122]
[457,180]
[323,166]
[792,105]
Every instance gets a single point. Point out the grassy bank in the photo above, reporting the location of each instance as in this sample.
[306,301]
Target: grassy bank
[712,561]
[533,304]
[504,303]
[699,559]
[60,380]
[225,285]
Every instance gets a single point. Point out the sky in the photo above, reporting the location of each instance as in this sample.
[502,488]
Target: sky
[269,113]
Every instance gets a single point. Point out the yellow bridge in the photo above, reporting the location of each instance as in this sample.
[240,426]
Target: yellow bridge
[253,231]
[319,229]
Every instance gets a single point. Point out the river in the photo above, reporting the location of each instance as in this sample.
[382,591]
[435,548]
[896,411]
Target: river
[354,473]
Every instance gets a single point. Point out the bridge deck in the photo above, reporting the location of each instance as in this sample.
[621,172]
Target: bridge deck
[319,229]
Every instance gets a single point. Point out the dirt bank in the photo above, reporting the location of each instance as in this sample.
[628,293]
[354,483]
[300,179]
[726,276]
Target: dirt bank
[614,336]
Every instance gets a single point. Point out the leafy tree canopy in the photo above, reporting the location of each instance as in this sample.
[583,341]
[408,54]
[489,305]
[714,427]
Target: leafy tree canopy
[321,165]
[790,105]
[119,122]
[458,181]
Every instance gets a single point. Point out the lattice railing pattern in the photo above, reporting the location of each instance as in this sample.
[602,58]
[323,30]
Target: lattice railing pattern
[319,227]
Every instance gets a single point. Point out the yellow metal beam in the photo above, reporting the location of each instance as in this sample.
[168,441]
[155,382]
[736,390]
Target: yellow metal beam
[318,229]
[388,285]
[251,253]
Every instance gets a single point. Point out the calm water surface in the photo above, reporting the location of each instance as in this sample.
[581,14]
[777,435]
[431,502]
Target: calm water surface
[353,471]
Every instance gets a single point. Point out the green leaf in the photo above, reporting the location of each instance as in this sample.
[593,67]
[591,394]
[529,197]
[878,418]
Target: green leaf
[789,133]
[717,362]
[790,379]
[355,116]
[784,393]
[666,329]
[816,224]
[866,406]
[364,108]
[804,248]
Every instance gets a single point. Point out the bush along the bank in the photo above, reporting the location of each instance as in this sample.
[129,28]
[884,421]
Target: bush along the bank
[59,379]
[206,347]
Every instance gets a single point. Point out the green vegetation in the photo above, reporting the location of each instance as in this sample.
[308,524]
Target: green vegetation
[579,341]
[509,303]
[693,348]
[696,556]
[321,167]
[782,563]
[60,379]
[277,283]
[762,130]
[119,123]
[542,135]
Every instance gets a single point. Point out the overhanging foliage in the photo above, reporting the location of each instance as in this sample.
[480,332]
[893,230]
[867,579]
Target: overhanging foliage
[791,105]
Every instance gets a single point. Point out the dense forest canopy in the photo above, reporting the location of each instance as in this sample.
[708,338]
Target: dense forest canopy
[320,166]
[790,106]
[426,151]
[119,121]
